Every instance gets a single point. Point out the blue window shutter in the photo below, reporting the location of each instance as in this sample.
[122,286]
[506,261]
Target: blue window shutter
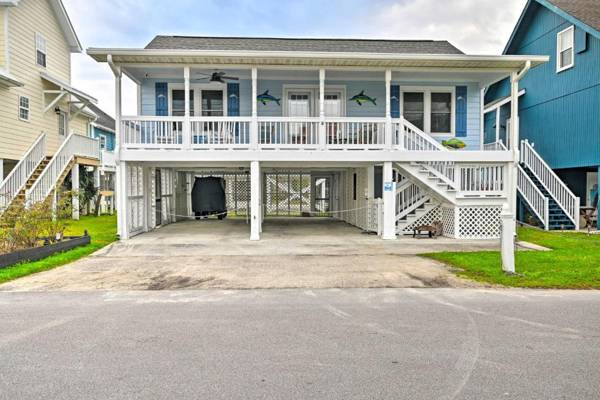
[395,101]
[580,40]
[233,99]
[162,99]
[461,111]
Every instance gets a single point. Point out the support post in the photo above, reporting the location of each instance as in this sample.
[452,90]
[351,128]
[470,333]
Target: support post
[120,175]
[389,202]
[388,109]
[254,140]
[255,212]
[1,169]
[189,184]
[75,190]
[187,131]
[508,239]
[122,210]
[371,181]
[322,134]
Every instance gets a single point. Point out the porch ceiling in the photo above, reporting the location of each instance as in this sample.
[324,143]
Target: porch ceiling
[314,59]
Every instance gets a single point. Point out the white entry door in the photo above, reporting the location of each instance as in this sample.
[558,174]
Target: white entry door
[299,103]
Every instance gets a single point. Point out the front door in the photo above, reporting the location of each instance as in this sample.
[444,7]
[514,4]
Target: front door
[321,195]
[158,196]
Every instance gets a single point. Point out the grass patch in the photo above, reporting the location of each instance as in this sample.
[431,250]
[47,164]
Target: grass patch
[103,231]
[574,262]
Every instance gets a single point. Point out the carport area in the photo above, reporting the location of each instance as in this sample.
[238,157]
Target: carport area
[293,253]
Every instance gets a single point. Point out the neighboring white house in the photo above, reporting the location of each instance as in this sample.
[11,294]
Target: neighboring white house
[300,127]
[44,120]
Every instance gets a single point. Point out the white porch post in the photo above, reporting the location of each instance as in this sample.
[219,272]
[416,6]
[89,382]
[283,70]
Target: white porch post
[121,172]
[388,109]
[389,202]
[254,140]
[122,211]
[187,131]
[75,190]
[371,181]
[1,169]
[255,212]
[322,134]
[189,184]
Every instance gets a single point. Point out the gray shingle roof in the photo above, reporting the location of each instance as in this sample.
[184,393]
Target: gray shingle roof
[587,11]
[300,44]
[103,118]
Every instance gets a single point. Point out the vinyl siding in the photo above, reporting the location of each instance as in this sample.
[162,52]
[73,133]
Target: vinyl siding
[374,89]
[559,112]
[2,38]
[110,137]
[29,17]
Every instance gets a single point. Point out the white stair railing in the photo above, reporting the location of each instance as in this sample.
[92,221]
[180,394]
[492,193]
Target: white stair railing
[74,145]
[534,197]
[18,177]
[551,182]
[409,197]
[411,138]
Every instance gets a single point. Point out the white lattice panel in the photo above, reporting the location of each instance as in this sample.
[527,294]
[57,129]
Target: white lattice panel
[435,214]
[448,214]
[479,222]
[135,197]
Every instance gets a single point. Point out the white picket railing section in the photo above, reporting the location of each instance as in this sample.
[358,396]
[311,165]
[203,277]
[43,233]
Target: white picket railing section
[551,182]
[482,179]
[282,132]
[148,132]
[411,138]
[409,197]
[495,146]
[224,132]
[355,132]
[74,145]
[18,177]
[534,197]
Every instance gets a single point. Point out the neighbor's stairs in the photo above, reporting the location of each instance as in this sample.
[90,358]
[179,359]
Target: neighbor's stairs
[430,178]
[558,219]
[20,197]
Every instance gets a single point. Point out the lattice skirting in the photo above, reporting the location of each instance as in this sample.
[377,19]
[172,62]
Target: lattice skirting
[448,220]
[435,214]
[479,222]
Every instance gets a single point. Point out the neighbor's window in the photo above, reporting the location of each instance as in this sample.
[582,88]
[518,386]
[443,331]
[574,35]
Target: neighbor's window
[441,112]
[40,50]
[565,54]
[23,108]
[102,142]
[62,123]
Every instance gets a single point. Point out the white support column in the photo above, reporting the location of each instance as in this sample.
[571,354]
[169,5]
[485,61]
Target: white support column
[389,202]
[189,184]
[120,176]
[371,181]
[187,131]
[322,134]
[123,207]
[97,186]
[388,109]
[75,190]
[508,240]
[255,212]
[1,169]
[254,140]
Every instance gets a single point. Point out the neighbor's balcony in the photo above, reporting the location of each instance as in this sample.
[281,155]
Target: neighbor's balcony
[273,133]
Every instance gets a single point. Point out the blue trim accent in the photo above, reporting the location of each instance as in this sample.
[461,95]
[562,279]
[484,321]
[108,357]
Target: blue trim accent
[161,91]
[461,111]
[233,99]
[395,101]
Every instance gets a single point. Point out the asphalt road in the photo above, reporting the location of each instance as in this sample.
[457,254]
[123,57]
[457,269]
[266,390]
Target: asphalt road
[301,344]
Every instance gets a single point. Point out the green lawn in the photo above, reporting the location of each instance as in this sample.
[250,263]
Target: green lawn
[103,230]
[573,263]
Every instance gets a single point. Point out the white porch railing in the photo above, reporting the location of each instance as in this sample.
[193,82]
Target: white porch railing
[551,182]
[18,177]
[360,133]
[284,132]
[74,145]
[482,179]
[149,132]
[108,159]
[411,138]
[409,197]
[534,197]
[220,132]
[495,146]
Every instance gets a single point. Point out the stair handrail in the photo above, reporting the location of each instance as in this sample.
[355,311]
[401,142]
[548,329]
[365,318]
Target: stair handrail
[408,199]
[74,145]
[563,196]
[408,130]
[17,178]
[534,197]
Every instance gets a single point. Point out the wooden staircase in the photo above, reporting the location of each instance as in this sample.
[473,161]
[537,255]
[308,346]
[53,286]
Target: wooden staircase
[20,198]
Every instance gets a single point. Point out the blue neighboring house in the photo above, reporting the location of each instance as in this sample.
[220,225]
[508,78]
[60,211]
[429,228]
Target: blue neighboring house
[559,105]
[103,128]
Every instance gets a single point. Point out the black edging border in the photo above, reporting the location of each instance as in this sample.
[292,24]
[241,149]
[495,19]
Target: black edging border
[38,253]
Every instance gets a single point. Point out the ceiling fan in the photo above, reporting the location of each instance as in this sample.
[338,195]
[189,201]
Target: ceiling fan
[218,76]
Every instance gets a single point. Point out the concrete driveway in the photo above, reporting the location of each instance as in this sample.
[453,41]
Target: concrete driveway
[293,253]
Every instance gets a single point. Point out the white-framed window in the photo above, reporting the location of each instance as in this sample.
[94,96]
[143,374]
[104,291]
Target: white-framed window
[62,123]
[565,49]
[102,142]
[40,50]
[23,108]
[431,109]
[204,99]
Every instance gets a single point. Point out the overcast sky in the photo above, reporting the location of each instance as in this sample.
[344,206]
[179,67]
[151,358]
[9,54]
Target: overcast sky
[474,26]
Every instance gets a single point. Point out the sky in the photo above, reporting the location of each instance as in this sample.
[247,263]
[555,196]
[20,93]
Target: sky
[474,26]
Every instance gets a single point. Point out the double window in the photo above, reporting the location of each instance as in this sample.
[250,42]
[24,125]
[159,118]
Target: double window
[40,50]
[23,108]
[430,109]
[565,49]
[206,102]
[102,142]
